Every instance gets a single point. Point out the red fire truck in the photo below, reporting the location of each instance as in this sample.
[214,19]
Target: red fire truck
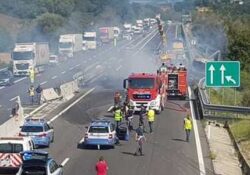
[176,82]
[146,89]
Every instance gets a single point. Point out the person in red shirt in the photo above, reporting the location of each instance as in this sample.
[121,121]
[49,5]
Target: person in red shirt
[101,167]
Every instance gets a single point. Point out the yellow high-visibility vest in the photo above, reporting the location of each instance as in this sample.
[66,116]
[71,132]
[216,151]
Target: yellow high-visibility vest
[151,115]
[187,124]
[118,116]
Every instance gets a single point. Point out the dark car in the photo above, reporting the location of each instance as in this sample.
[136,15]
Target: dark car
[39,163]
[6,78]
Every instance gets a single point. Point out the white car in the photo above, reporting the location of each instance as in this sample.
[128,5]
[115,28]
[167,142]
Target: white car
[53,60]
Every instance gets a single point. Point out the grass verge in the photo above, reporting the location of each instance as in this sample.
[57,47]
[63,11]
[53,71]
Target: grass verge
[241,132]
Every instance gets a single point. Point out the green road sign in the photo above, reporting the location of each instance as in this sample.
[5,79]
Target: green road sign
[223,74]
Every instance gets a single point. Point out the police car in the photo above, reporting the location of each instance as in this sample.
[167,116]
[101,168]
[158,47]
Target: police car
[39,162]
[39,130]
[100,132]
[10,148]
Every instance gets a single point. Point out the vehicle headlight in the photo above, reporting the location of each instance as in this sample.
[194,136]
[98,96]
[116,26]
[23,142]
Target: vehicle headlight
[153,103]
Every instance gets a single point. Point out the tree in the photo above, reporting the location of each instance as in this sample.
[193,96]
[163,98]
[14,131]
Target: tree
[246,99]
[49,23]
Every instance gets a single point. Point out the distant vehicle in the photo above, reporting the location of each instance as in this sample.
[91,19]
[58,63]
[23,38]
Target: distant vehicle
[106,34]
[146,24]
[6,78]
[39,130]
[29,55]
[53,60]
[89,40]
[137,30]
[100,132]
[39,163]
[70,44]
[117,32]
[127,36]
[152,21]
[127,28]
[10,148]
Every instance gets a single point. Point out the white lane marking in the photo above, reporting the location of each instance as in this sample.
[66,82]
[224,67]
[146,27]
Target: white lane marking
[0,106]
[63,72]
[20,79]
[78,65]
[65,161]
[72,104]
[54,77]
[82,140]
[118,68]
[197,137]
[2,87]
[71,68]
[43,83]
[13,98]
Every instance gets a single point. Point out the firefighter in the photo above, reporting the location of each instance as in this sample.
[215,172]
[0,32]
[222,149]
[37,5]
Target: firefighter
[32,75]
[151,118]
[163,68]
[187,126]
[31,92]
[142,115]
[117,115]
[117,99]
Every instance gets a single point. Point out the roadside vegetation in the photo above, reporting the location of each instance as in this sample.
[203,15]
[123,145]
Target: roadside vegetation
[241,132]
[45,20]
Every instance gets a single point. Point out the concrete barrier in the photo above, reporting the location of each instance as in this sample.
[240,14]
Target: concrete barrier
[49,94]
[12,126]
[67,91]
[75,86]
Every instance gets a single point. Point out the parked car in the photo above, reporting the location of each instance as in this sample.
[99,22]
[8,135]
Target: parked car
[101,132]
[39,130]
[53,60]
[6,78]
[39,162]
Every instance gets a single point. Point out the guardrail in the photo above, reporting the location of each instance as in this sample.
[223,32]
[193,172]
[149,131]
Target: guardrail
[206,106]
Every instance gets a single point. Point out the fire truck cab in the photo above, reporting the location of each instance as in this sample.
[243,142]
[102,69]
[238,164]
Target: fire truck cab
[145,89]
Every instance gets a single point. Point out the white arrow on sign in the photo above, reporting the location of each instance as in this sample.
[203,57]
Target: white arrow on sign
[222,69]
[211,69]
[229,78]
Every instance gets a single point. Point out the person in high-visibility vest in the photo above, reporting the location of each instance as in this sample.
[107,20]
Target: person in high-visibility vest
[118,116]
[187,126]
[31,92]
[32,75]
[151,118]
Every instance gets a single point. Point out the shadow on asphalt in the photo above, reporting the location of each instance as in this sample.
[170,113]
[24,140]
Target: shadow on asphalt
[128,153]
[180,140]
[92,147]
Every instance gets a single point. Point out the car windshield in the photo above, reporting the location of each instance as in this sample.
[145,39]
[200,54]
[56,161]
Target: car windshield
[65,45]
[4,74]
[138,83]
[32,129]
[89,38]
[34,170]
[98,129]
[22,55]
[11,148]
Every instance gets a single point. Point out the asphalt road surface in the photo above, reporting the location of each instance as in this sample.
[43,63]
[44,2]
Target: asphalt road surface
[166,151]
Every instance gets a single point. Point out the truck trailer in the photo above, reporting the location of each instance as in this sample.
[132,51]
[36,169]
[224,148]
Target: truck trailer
[70,44]
[106,34]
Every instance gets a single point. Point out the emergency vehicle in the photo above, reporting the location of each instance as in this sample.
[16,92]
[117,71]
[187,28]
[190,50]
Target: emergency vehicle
[176,81]
[146,89]
[10,148]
